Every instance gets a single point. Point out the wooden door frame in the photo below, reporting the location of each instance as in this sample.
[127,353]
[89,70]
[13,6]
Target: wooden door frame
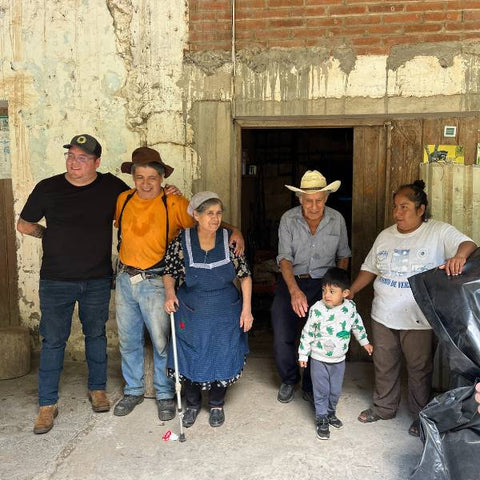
[298,123]
[9,305]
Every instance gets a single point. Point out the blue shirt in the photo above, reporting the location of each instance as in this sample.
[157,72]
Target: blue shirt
[313,254]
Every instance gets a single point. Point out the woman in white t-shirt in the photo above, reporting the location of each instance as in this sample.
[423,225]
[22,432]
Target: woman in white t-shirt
[412,245]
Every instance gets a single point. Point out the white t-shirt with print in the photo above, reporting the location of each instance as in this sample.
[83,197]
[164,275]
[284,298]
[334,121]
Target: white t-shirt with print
[396,256]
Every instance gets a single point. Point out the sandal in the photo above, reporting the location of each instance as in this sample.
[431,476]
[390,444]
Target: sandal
[414,429]
[368,416]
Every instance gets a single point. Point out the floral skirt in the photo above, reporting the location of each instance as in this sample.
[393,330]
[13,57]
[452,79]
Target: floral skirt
[208,385]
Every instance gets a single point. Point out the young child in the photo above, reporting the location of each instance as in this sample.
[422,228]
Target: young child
[325,339]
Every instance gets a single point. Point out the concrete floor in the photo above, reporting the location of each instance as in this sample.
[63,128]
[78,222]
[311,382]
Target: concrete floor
[261,438]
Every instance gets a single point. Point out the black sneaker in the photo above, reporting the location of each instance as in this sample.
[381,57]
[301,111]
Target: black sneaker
[334,421]
[323,431]
[189,417]
[166,409]
[127,404]
[286,393]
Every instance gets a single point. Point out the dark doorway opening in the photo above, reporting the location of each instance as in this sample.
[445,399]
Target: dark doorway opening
[271,159]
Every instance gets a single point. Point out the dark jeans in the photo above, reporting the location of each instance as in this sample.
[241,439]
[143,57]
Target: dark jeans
[327,385]
[286,328]
[193,396]
[57,301]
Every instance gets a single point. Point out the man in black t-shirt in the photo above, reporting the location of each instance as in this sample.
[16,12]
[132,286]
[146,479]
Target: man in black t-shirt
[78,207]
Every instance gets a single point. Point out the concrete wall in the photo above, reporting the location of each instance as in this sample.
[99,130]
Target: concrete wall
[129,72]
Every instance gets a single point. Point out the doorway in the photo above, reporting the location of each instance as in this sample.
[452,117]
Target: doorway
[272,158]
[8,262]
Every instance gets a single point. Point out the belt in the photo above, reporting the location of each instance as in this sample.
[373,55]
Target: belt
[303,275]
[132,271]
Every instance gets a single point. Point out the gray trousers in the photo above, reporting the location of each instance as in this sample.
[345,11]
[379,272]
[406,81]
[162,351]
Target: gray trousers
[327,379]
[416,346]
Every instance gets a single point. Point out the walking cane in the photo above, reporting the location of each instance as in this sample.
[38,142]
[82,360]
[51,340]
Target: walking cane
[178,387]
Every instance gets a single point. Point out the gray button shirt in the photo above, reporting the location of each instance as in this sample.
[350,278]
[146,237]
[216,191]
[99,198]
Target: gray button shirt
[313,254]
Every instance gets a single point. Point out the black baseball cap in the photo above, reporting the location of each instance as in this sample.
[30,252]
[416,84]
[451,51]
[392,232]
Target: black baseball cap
[87,143]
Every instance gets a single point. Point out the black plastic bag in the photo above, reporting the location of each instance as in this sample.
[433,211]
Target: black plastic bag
[450,423]
[450,431]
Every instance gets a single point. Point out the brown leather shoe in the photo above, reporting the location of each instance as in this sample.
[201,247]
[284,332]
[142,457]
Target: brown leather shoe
[99,400]
[44,421]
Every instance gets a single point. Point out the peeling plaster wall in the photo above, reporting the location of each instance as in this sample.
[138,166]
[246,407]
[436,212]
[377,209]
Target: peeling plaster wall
[109,68]
[439,77]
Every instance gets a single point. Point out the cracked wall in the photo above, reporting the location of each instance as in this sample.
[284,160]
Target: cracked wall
[109,68]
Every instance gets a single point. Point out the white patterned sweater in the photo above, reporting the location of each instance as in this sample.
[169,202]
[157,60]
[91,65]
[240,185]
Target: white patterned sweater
[326,334]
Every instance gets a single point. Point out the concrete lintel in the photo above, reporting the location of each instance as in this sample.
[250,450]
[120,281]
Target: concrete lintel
[302,121]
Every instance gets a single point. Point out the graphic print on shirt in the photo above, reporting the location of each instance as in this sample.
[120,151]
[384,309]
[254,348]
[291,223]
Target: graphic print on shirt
[400,261]
[403,263]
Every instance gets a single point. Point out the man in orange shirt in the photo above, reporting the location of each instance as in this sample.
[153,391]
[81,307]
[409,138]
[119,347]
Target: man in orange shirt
[147,219]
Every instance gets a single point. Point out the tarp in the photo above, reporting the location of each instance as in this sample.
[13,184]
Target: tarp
[450,423]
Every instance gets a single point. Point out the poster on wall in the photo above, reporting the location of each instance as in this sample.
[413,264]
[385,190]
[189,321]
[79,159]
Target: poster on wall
[5,168]
[443,154]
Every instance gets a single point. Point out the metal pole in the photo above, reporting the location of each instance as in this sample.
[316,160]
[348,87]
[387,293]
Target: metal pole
[178,387]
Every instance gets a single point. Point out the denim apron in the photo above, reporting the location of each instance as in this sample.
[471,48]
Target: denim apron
[210,343]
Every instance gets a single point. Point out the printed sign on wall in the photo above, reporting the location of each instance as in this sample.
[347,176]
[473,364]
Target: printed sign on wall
[443,154]
[5,166]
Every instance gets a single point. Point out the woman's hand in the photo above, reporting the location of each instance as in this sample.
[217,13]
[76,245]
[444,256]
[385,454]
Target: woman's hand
[171,303]
[454,265]
[246,320]
[236,238]
[302,364]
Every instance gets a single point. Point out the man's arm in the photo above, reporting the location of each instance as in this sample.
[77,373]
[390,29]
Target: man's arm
[236,238]
[33,229]
[343,263]
[297,297]
[306,338]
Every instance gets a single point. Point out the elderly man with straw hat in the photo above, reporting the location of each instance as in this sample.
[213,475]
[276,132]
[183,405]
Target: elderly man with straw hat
[312,238]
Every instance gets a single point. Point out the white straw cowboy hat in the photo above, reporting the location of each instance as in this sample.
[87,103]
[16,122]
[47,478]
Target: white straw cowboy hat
[313,182]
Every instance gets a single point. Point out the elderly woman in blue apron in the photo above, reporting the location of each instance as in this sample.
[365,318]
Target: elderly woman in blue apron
[211,318]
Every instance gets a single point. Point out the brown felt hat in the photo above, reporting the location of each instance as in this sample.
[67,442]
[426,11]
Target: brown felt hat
[143,156]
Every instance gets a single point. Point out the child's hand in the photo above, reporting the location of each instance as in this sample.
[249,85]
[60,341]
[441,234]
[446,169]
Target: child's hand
[302,364]
[369,348]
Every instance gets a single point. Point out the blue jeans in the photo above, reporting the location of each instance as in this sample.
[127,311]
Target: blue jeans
[139,306]
[57,301]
